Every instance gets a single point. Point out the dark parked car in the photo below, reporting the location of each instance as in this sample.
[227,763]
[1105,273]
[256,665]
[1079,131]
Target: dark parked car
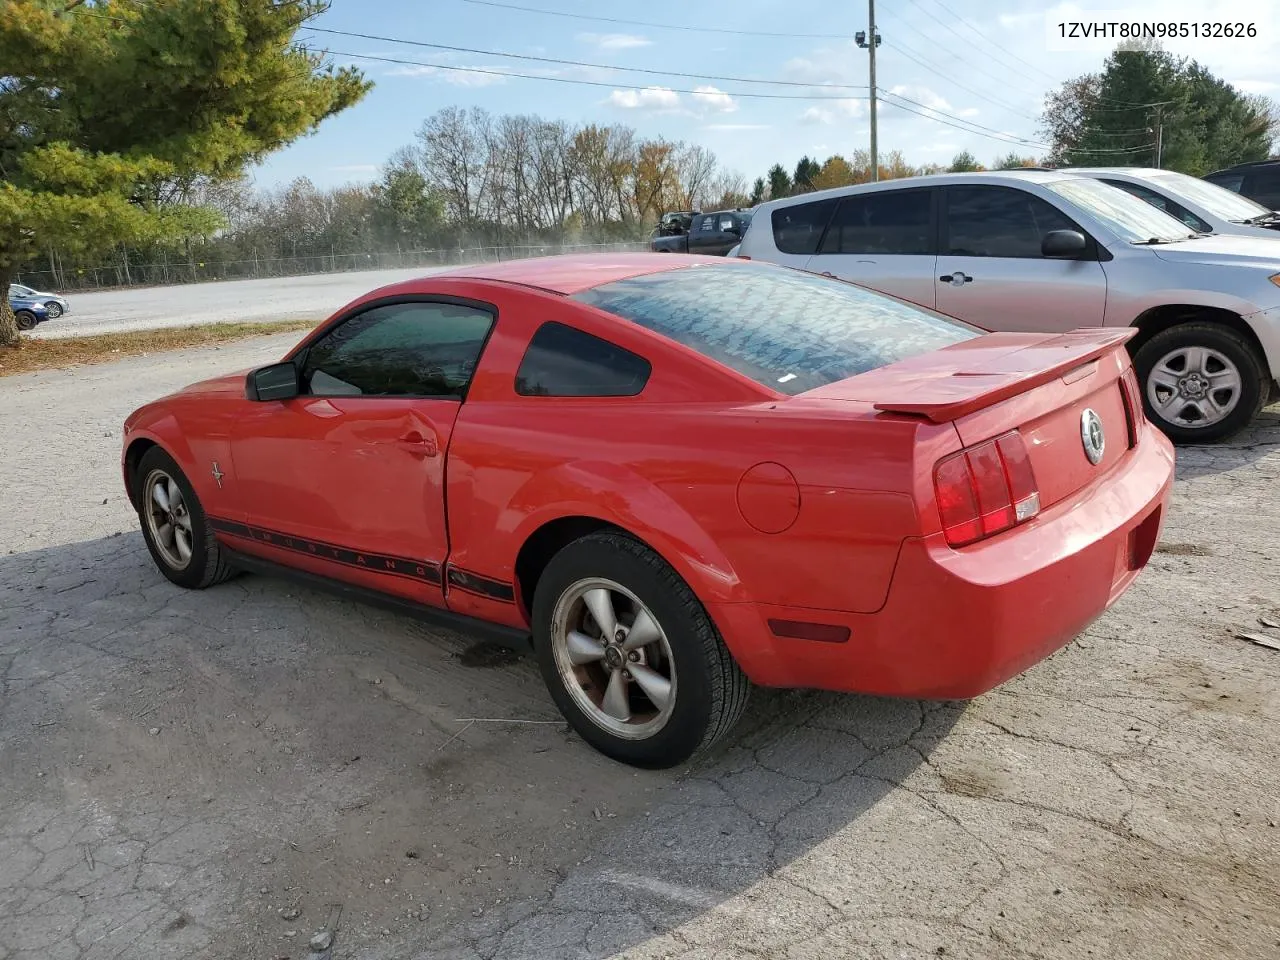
[714,234]
[1259,181]
[28,311]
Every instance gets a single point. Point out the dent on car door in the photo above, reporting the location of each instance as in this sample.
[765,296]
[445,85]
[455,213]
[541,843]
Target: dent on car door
[347,478]
[992,270]
[883,240]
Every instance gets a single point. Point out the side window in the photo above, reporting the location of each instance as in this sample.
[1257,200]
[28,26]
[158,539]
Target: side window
[1229,181]
[898,221]
[798,228]
[706,224]
[1161,202]
[563,361]
[1264,187]
[399,350]
[999,222]
[727,224]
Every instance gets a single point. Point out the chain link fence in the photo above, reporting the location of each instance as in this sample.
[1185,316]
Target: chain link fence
[176,271]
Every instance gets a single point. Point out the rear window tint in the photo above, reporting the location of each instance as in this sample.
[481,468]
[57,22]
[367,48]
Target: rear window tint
[798,228]
[785,329]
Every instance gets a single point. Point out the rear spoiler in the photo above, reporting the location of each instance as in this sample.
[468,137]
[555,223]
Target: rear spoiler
[942,390]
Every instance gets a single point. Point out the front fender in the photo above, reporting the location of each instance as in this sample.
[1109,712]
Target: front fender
[617,495]
[194,449]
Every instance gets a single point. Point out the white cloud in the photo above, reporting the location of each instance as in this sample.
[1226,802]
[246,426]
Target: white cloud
[650,98]
[615,41]
[833,111]
[737,126]
[459,78]
[714,99]
[923,96]
[1256,86]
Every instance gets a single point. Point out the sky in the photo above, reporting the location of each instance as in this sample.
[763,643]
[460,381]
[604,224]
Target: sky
[978,71]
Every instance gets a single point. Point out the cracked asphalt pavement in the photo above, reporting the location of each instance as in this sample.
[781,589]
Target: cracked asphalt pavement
[203,774]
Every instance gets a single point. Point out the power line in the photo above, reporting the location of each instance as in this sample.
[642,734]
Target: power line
[994,46]
[1012,140]
[971,126]
[992,135]
[646,23]
[580,82]
[901,48]
[583,63]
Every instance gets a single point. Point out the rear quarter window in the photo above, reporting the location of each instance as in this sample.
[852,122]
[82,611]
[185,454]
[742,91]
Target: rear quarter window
[788,330]
[798,228]
[563,361]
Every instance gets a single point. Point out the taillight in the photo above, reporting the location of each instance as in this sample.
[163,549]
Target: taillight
[985,489]
[1132,393]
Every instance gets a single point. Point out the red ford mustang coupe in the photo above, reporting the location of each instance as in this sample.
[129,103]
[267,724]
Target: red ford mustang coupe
[680,476]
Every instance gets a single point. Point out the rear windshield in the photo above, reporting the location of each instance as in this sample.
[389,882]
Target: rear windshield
[785,329]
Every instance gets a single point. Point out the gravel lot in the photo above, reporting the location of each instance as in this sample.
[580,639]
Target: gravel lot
[181,772]
[283,298]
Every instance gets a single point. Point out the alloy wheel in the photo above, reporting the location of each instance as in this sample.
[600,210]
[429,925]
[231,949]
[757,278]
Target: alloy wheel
[613,658]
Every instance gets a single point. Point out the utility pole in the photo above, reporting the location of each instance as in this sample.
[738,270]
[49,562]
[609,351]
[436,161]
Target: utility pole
[1159,134]
[870,45]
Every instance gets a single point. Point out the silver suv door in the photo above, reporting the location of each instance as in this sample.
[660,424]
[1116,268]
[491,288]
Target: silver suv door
[991,271]
[884,240]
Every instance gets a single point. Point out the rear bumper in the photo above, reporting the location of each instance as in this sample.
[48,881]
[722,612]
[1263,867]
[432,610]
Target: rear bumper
[958,622]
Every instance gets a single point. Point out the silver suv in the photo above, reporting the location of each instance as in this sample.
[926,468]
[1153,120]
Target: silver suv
[1049,251]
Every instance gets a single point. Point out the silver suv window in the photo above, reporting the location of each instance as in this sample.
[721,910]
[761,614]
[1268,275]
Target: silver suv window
[1131,219]
[986,221]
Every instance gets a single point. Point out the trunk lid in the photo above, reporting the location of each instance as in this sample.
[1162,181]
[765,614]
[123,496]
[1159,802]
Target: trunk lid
[1039,384]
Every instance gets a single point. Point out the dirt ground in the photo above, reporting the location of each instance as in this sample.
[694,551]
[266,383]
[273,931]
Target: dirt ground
[204,775]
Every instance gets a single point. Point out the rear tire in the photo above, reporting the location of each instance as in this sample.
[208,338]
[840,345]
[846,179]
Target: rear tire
[174,524]
[25,319]
[676,693]
[1202,382]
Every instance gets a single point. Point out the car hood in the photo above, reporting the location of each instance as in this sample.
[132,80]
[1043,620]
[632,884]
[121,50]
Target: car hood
[1225,250]
[228,385]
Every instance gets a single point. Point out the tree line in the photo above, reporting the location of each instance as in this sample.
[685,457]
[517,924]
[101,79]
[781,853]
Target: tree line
[104,183]
[468,180]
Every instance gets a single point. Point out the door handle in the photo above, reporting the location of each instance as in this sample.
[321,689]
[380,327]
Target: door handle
[417,443]
[956,279]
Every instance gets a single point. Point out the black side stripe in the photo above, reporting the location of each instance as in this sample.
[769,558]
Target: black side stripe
[481,586]
[376,562]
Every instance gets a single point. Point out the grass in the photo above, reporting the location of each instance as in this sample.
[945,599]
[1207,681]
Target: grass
[39,354]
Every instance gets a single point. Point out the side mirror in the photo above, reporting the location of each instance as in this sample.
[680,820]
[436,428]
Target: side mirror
[1063,244]
[279,381]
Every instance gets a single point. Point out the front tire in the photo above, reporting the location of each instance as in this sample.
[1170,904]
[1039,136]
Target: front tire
[174,524]
[1201,382]
[25,319]
[55,310]
[630,656]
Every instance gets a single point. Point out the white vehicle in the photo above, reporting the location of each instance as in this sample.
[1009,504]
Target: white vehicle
[1204,207]
[1050,251]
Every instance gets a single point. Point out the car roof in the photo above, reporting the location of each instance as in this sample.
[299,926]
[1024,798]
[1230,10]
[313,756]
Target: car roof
[1138,173]
[991,177]
[568,274]
[1247,165]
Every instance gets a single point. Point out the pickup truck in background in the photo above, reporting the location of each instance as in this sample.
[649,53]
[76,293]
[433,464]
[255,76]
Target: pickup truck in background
[712,234]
